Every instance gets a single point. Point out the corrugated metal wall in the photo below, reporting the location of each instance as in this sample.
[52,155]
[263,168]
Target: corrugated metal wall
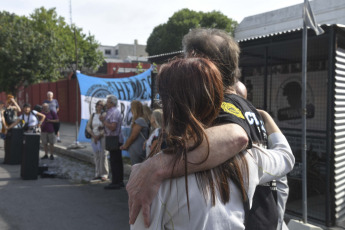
[339,141]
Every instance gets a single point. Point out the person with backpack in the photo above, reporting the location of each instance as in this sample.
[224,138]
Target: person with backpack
[238,119]
[47,131]
[191,91]
[29,120]
[96,129]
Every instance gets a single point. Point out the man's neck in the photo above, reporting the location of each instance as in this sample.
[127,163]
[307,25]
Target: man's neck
[230,90]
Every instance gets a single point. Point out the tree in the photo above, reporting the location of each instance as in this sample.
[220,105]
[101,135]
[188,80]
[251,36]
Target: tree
[167,37]
[21,48]
[47,22]
[41,47]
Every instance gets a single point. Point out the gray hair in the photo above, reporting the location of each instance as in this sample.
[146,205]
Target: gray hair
[158,116]
[112,99]
[50,92]
[45,105]
[217,46]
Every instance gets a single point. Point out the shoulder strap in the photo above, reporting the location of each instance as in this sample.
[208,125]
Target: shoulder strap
[142,135]
[93,114]
[35,116]
[33,113]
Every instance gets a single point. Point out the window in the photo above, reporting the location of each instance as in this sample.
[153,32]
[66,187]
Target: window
[107,52]
[116,52]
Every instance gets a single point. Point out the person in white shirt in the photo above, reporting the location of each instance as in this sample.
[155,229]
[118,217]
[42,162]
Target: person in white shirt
[156,123]
[31,120]
[191,91]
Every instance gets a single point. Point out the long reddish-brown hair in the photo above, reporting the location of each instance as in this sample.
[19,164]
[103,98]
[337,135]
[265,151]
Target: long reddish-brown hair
[191,92]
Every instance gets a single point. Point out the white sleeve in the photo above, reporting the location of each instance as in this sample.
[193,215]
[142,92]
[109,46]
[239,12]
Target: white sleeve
[156,219]
[274,162]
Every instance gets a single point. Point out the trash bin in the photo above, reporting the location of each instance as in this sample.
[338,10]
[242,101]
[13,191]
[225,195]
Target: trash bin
[13,146]
[30,158]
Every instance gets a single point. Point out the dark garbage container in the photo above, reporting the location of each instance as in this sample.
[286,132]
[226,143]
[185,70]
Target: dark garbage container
[13,146]
[30,159]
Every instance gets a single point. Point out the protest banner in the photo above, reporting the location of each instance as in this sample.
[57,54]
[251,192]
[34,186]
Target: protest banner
[126,90]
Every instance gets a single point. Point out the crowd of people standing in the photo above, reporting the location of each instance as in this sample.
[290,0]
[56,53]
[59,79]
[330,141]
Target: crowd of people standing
[42,119]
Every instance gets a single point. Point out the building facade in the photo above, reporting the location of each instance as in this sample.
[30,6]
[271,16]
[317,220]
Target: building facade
[271,65]
[124,52]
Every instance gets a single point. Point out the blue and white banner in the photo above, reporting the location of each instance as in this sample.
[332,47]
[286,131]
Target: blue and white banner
[128,89]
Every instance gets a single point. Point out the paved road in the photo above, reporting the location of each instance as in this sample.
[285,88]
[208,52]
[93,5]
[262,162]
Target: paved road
[60,203]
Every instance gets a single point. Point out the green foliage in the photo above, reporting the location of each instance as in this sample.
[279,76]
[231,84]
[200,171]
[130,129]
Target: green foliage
[40,47]
[140,68]
[167,37]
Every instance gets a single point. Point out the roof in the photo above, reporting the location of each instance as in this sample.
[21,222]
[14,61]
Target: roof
[282,32]
[289,19]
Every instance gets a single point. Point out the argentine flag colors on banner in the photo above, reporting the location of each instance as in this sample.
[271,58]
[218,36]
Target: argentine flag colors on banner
[126,90]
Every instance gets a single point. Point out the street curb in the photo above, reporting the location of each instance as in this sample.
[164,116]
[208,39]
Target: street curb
[62,150]
[73,154]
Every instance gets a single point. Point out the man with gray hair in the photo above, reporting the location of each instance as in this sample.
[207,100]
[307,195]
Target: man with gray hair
[47,130]
[112,127]
[54,106]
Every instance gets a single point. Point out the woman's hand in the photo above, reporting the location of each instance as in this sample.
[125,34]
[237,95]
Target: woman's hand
[270,125]
[95,138]
[124,147]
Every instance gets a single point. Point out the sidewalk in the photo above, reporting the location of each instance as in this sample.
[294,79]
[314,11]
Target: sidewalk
[84,153]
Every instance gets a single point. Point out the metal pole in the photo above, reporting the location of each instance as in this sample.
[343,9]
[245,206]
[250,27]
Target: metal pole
[304,117]
[76,88]
[76,144]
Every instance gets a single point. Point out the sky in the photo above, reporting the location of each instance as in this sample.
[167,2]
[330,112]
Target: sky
[123,21]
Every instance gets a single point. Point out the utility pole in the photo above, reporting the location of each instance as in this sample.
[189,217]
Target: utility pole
[76,144]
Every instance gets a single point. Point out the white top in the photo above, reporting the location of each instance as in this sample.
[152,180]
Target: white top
[169,208]
[154,134]
[96,123]
[30,119]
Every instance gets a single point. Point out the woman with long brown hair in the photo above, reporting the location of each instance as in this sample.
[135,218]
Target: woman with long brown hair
[138,134]
[191,91]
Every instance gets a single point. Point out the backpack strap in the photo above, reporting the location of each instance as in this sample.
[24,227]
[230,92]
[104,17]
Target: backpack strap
[38,121]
